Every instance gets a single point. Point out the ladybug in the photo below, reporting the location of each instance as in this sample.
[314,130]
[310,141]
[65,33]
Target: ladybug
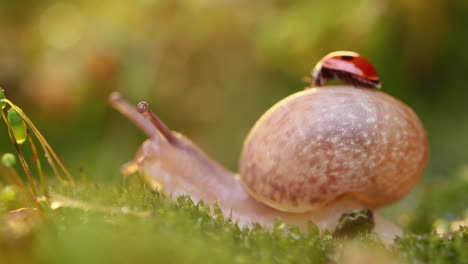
[346,66]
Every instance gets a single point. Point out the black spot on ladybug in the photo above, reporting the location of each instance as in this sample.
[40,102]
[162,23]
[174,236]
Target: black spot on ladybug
[347,57]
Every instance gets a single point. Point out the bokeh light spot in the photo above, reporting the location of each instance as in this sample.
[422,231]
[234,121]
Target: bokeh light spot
[61,25]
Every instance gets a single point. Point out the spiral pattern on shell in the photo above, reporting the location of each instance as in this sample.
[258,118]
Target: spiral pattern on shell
[322,144]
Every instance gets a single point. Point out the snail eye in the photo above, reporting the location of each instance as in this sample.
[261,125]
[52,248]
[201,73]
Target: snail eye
[347,57]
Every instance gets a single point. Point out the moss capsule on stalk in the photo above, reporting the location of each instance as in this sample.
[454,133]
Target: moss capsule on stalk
[9,160]
[18,126]
[2,97]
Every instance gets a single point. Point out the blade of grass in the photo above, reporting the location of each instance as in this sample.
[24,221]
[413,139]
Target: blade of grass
[49,152]
[37,161]
[21,157]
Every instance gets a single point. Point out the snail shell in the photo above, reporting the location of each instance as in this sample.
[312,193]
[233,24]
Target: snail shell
[321,144]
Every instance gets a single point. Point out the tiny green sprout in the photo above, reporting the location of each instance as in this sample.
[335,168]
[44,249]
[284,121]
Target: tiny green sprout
[18,126]
[2,97]
[8,160]
[8,193]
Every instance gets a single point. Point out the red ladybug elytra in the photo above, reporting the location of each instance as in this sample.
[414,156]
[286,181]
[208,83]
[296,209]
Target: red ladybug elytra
[346,66]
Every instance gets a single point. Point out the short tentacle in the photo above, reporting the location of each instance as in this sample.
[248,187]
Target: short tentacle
[131,113]
[144,108]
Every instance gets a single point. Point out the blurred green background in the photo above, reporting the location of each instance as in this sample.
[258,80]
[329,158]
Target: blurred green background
[210,68]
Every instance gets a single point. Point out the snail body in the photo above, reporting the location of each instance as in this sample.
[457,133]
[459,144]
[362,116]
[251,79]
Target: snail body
[313,156]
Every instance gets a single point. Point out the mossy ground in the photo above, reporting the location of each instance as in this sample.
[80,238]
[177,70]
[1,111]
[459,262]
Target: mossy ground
[127,222]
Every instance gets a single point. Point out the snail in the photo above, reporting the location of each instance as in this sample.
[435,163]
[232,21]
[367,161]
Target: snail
[314,156]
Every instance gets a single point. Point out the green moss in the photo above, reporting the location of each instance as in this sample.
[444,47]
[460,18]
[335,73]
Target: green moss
[431,248]
[128,222]
[446,201]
